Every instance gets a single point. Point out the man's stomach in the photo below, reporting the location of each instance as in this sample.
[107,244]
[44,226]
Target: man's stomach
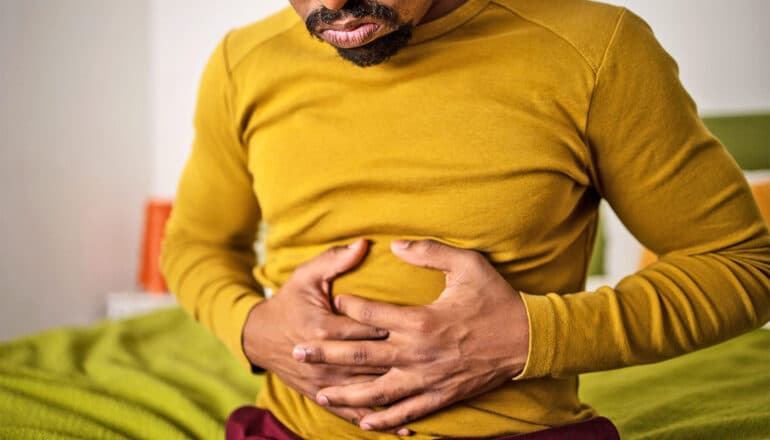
[513,408]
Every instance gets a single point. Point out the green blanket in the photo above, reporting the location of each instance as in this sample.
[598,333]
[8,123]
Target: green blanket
[722,392]
[162,376]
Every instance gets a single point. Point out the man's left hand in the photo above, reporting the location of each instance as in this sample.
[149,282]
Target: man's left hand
[471,340]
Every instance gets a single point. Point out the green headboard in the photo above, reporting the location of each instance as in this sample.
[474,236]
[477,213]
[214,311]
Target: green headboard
[746,137]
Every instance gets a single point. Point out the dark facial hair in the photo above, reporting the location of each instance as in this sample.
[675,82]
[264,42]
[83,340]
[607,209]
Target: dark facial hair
[375,52]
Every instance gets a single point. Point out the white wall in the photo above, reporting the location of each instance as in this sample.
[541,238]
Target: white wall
[183,33]
[74,156]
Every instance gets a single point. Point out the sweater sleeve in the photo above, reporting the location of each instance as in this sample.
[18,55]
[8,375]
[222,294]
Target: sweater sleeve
[208,253]
[680,193]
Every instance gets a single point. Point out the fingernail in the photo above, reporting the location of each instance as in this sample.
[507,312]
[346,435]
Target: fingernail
[403,432]
[367,427]
[299,354]
[381,332]
[401,244]
[355,244]
[337,302]
[322,400]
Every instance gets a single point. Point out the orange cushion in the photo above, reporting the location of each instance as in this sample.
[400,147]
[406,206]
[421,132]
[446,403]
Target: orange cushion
[761,191]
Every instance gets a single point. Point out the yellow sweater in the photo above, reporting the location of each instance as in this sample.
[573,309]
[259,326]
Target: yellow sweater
[499,128]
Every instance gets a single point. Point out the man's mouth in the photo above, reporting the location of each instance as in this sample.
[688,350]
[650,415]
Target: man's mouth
[351,34]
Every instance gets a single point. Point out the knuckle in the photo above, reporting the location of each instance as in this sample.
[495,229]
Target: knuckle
[335,251]
[380,399]
[436,400]
[377,332]
[367,313]
[317,354]
[360,357]
[423,323]
[428,246]
[408,417]
[423,355]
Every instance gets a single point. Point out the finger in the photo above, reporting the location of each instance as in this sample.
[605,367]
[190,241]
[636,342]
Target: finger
[340,371]
[404,412]
[374,313]
[433,255]
[385,390]
[354,416]
[360,353]
[373,371]
[334,261]
[344,328]
[357,379]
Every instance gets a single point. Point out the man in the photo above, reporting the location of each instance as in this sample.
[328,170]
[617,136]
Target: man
[429,172]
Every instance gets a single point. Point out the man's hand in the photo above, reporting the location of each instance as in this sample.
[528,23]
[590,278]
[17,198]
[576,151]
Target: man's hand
[301,311]
[472,339]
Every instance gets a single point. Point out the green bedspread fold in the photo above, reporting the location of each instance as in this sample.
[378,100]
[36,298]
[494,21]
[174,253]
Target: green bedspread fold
[163,376]
[160,376]
[721,392]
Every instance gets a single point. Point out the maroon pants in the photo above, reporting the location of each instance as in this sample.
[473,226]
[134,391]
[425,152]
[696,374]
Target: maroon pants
[251,423]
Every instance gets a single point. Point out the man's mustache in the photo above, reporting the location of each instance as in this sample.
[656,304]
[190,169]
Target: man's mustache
[355,8]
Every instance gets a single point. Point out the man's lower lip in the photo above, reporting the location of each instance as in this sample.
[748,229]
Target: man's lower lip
[351,38]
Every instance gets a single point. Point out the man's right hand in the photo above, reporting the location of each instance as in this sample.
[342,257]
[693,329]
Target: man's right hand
[301,311]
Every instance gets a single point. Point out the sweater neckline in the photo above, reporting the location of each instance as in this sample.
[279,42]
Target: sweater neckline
[448,22]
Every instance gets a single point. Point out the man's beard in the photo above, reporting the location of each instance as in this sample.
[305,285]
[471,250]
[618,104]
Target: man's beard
[376,51]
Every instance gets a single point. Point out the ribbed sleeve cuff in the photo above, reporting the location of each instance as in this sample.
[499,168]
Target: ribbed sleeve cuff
[542,332]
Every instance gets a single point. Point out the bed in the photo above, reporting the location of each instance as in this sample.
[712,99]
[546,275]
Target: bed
[162,376]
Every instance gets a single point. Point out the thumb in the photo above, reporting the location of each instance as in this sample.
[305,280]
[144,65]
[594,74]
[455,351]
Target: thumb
[335,261]
[431,254]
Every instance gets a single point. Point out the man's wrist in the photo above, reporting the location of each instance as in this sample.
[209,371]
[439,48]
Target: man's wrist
[248,336]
